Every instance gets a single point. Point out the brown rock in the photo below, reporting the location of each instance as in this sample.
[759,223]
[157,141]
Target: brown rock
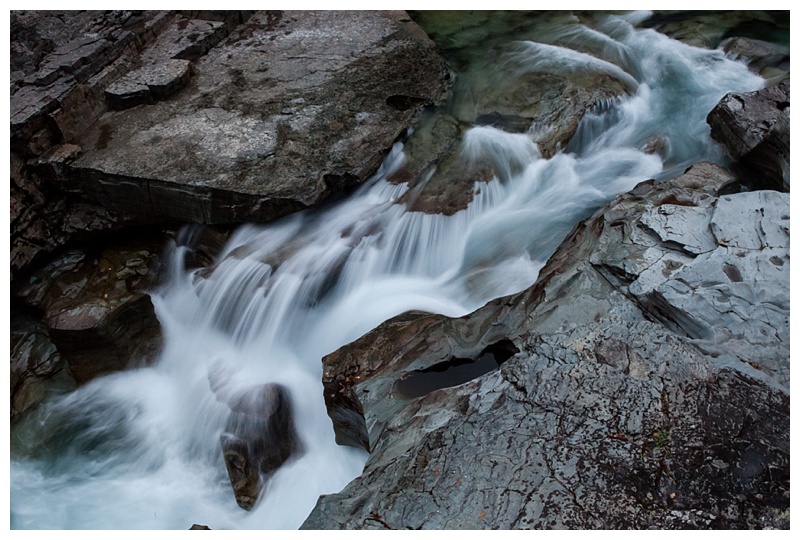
[95,309]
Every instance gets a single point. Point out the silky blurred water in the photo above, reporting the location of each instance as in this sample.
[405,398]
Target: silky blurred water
[140,449]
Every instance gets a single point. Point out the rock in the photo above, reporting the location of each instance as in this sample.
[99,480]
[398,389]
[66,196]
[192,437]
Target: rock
[150,83]
[439,175]
[258,134]
[62,65]
[770,60]
[37,368]
[95,308]
[626,406]
[253,136]
[540,98]
[754,127]
[196,527]
[259,435]
[708,29]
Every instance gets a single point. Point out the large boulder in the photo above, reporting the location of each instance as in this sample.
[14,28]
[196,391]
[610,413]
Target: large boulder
[245,117]
[290,108]
[62,64]
[649,390]
[754,127]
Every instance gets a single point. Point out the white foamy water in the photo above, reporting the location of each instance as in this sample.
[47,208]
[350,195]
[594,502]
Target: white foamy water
[140,449]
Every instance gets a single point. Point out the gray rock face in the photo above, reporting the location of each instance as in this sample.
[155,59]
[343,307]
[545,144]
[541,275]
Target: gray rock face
[289,109]
[627,406]
[228,116]
[754,127]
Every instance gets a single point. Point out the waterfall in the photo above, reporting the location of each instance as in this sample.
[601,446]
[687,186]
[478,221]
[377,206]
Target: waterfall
[140,448]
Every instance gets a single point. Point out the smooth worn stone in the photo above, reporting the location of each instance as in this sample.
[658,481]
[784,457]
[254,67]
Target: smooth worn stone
[259,436]
[770,60]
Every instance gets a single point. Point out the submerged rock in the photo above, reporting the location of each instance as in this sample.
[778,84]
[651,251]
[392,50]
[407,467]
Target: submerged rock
[650,389]
[754,127]
[258,439]
[523,92]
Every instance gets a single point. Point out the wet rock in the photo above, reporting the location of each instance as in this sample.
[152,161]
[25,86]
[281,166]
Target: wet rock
[543,100]
[754,127]
[37,368]
[196,527]
[625,407]
[521,90]
[440,176]
[95,307]
[259,435]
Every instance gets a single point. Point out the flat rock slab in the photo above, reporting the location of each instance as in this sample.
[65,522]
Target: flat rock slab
[289,109]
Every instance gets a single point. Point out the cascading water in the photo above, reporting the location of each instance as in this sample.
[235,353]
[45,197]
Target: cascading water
[140,448]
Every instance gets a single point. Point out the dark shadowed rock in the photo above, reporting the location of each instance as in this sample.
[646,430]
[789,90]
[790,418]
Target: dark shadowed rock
[650,389]
[259,436]
[754,127]
[709,28]
[770,60]
[37,368]
[95,307]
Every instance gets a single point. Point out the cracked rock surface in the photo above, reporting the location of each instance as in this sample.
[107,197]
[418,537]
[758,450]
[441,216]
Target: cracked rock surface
[650,389]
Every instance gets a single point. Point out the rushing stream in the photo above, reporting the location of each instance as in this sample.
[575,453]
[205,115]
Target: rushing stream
[140,448]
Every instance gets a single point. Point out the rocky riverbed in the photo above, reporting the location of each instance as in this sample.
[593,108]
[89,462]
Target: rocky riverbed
[641,382]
